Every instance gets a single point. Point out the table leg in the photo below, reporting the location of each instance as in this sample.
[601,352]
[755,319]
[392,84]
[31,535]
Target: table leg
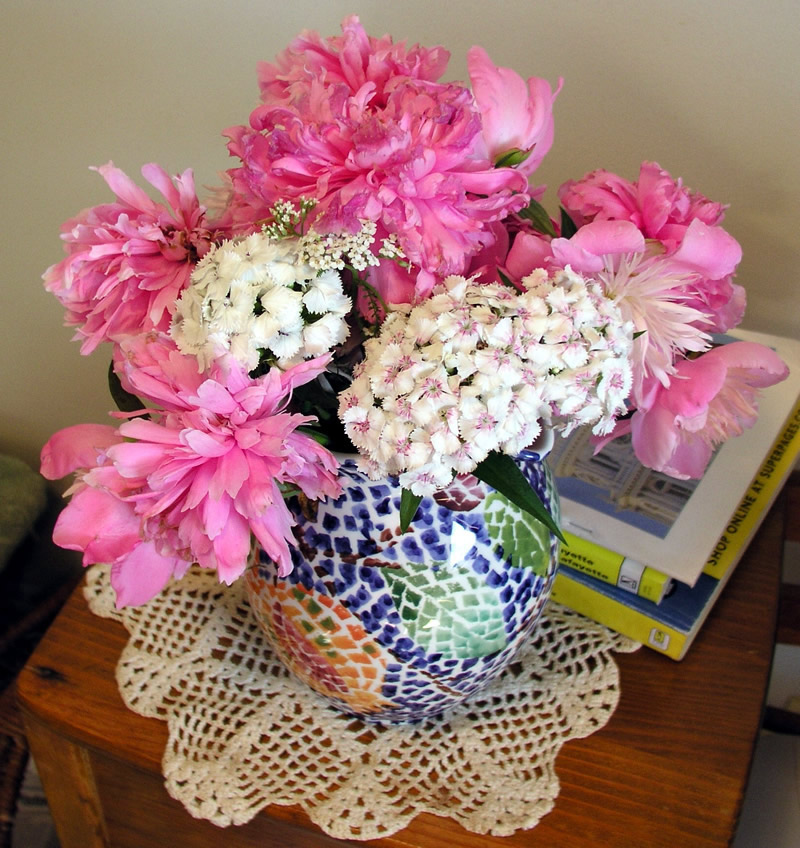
[68,780]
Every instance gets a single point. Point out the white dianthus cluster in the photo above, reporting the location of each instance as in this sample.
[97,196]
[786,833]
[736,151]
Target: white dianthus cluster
[261,293]
[481,367]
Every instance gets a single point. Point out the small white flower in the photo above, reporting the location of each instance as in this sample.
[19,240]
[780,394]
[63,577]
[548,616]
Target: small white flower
[286,346]
[323,334]
[479,367]
[427,479]
[248,295]
[325,294]
[264,329]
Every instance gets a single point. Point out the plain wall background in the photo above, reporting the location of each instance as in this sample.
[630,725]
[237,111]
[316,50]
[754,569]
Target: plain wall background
[710,89]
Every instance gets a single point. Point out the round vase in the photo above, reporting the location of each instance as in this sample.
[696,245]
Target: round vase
[396,627]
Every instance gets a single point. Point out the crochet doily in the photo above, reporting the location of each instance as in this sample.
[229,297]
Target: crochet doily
[244,733]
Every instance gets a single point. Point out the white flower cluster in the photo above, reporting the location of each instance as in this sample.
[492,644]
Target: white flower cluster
[260,293]
[480,367]
[330,251]
[325,252]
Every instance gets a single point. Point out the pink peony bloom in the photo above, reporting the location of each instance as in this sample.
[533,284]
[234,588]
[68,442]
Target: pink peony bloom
[128,261]
[709,400]
[660,206]
[363,127]
[197,481]
[685,223]
[352,59]
[517,117]
[100,519]
[215,459]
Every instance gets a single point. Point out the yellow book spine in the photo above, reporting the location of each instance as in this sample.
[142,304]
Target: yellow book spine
[619,617]
[610,567]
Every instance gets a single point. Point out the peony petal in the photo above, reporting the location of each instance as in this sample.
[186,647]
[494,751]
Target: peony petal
[654,437]
[206,444]
[141,575]
[126,189]
[710,251]
[216,512]
[696,384]
[527,253]
[231,472]
[76,447]
[144,430]
[215,398]
[232,548]
[587,247]
[99,524]
[273,530]
[764,367]
[137,459]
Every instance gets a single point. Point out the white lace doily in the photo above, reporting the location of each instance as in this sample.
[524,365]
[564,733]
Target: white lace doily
[243,733]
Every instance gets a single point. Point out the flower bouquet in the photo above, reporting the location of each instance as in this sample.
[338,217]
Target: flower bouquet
[378,275]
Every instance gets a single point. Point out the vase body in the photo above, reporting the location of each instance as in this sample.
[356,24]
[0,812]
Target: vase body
[398,627]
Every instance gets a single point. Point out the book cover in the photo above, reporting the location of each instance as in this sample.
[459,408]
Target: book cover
[672,526]
[613,568]
[671,626]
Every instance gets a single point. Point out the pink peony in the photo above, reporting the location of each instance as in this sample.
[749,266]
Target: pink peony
[197,481]
[710,399]
[517,117]
[685,223]
[660,206]
[352,59]
[101,519]
[128,261]
[363,127]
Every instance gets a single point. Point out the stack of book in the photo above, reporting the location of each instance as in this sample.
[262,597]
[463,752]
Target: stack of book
[648,555]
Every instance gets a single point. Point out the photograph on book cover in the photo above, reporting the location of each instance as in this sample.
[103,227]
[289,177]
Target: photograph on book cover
[614,483]
[670,525]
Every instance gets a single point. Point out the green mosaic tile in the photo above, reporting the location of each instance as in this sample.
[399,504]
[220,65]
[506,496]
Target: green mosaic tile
[440,612]
[524,539]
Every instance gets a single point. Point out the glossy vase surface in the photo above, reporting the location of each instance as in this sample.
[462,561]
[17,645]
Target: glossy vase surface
[393,626]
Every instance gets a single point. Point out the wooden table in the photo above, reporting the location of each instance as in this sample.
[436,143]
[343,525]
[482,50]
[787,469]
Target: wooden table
[668,770]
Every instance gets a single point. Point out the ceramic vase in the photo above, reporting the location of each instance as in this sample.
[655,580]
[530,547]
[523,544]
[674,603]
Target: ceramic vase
[397,627]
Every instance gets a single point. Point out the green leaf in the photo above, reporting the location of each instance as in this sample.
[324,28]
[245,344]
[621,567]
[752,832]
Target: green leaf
[500,472]
[125,401]
[408,508]
[537,215]
[568,228]
[511,158]
[506,281]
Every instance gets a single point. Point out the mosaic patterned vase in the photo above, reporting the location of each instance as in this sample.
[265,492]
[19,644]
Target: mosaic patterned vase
[397,627]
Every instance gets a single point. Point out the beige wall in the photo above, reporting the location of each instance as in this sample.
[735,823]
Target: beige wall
[708,88]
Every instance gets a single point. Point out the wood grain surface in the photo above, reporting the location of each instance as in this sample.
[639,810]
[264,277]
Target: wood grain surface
[669,769]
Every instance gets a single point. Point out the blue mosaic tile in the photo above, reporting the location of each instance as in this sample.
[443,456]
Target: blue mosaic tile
[432,614]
